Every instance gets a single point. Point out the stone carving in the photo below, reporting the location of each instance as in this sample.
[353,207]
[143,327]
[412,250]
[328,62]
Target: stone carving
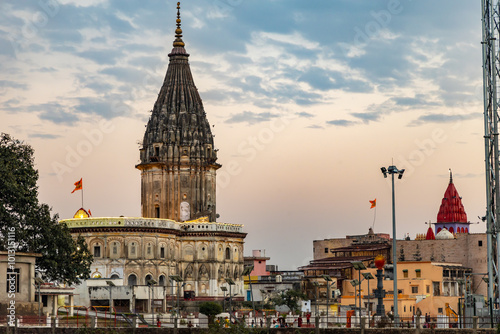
[185,211]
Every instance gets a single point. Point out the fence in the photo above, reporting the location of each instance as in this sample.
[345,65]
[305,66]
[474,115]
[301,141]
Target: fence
[95,318]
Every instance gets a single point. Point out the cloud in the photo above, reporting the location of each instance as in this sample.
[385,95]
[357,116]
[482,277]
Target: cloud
[55,113]
[250,117]
[314,126]
[304,114]
[444,118]
[341,122]
[367,117]
[44,136]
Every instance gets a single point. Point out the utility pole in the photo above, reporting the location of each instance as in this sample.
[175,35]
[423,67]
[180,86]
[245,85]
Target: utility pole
[491,62]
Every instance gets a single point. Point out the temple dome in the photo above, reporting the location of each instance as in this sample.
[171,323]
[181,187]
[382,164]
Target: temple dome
[451,209]
[444,234]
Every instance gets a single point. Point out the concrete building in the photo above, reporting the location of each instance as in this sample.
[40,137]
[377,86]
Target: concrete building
[446,262]
[178,234]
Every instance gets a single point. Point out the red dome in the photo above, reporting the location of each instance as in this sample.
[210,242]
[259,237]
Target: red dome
[451,209]
[430,234]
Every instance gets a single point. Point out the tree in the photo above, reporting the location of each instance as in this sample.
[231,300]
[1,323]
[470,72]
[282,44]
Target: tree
[27,226]
[290,298]
[210,309]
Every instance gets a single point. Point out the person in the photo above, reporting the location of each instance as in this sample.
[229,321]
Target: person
[299,321]
[158,322]
[261,323]
[308,317]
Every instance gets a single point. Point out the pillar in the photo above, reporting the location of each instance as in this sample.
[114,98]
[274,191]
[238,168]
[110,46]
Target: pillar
[71,304]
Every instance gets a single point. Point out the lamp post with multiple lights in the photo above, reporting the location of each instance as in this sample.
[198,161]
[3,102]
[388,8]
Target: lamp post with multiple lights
[394,170]
[246,272]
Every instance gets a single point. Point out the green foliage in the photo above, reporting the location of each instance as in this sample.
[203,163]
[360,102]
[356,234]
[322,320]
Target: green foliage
[30,223]
[290,298]
[210,309]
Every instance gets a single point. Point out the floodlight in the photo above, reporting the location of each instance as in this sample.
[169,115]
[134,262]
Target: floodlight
[39,281]
[367,275]
[400,176]
[110,283]
[247,271]
[223,288]
[384,171]
[230,281]
[327,278]
[354,282]
[151,282]
[176,278]
[358,265]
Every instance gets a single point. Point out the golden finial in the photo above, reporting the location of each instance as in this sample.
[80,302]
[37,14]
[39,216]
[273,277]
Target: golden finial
[178,32]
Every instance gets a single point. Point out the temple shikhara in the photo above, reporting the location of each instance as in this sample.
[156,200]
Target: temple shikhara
[177,235]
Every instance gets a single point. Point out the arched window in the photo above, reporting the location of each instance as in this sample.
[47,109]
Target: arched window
[132,279]
[466,230]
[452,230]
[439,230]
[228,254]
[115,276]
[161,280]
[148,278]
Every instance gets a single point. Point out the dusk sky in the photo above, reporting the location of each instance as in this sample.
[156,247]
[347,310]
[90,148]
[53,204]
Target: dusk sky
[307,99]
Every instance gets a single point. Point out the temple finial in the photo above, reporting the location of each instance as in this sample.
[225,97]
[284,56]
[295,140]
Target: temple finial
[178,32]
[451,176]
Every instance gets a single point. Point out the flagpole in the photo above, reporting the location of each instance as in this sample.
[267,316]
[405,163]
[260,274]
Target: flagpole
[374,217]
[82,195]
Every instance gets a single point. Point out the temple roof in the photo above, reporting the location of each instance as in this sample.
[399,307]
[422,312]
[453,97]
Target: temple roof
[178,124]
[451,209]
[430,234]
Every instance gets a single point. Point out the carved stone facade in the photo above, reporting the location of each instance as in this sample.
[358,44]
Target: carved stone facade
[178,234]
[136,250]
[178,160]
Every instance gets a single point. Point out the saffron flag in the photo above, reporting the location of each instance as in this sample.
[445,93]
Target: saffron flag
[78,186]
[373,203]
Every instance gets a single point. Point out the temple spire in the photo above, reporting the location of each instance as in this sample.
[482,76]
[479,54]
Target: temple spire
[451,176]
[178,32]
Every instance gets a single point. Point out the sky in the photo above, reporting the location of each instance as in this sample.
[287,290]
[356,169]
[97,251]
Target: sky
[307,99]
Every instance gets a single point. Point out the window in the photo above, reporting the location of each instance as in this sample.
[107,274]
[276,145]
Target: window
[414,289]
[149,249]
[157,151]
[132,248]
[440,310]
[115,248]
[480,243]
[427,289]
[418,273]
[162,252]
[12,280]
[161,280]
[157,211]
[148,278]
[436,288]
[97,251]
[132,280]
[405,273]
[326,250]
[228,254]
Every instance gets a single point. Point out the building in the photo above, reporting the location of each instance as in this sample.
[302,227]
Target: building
[177,234]
[450,262]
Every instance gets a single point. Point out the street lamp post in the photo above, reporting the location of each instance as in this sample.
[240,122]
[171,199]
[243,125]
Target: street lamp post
[368,277]
[355,282]
[177,279]
[393,170]
[359,265]
[328,279]
[224,289]
[246,272]
[230,282]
